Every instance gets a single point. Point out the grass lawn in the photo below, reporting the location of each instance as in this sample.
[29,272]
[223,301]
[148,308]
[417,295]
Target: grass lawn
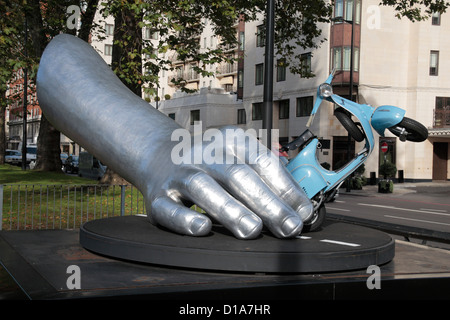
[36,199]
[14,174]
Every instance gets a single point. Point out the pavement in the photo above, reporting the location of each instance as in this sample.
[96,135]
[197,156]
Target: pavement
[436,192]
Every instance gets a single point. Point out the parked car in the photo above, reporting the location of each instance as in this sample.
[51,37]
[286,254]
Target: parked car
[63,157]
[71,164]
[13,157]
[91,167]
[31,154]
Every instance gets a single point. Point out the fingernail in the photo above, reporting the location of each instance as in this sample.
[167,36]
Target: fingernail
[292,226]
[200,226]
[305,211]
[249,227]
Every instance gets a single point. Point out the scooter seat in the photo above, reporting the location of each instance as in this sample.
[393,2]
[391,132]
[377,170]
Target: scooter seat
[299,142]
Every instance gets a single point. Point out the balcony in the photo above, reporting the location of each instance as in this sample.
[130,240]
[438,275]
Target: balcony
[188,76]
[226,69]
[441,123]
[442,118]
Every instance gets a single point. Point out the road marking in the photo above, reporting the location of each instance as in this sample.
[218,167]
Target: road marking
[339,209]
[418,220]
[303,237]
[341,243]
[437,210]
[376,205]
[339,201]
[403,209]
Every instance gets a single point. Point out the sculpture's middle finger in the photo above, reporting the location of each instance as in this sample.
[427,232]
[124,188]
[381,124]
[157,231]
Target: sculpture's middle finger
[204,191]
[246,185]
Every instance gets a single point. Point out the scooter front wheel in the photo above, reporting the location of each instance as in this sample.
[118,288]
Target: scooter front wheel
[349,125]
[316,221]
[410,130]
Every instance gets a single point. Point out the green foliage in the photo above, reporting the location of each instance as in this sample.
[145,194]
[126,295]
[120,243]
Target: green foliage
[178,24]
[416,10]
[388,170]
[385,186]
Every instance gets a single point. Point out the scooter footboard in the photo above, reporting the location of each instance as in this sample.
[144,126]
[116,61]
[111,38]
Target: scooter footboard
[309,179]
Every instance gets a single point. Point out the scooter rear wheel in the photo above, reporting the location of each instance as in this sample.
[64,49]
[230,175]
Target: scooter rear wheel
[316,221]
[349,124]
[410,130]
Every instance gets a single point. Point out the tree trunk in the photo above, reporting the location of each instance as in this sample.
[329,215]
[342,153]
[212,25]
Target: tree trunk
[48,146]
[2,126]
[87,20]
[49,140]
[127,27]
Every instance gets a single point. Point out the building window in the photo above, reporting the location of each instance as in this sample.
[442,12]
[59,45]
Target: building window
[356,59]
[283,112]
[336,56]
[344,9]
[346,58]
[259,74]
[281,70]
[242,40]
[179,70]
[305,61]
[341,58]
[436,19]
[257,109]
[228,87]
[109,28]
[358,12]
[240,79]
[108,49]
[304,106]
[195,116]
[150,34]
[241,116]
[434,63]
[260,35]
[442,112]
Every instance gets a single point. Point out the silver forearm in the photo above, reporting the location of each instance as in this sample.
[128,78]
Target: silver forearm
[82,98]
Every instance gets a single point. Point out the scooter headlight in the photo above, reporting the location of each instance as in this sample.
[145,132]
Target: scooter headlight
[325,90]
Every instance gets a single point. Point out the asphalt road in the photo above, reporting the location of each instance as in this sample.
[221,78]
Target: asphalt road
[421,205]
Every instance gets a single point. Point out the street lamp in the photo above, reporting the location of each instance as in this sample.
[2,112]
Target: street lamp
[268,72]
[25,103]
[350,93]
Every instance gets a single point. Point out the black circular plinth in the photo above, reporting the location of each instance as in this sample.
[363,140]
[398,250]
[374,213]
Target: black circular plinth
[337,247]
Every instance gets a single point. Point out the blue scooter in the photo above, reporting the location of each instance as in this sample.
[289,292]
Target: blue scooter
[321,185]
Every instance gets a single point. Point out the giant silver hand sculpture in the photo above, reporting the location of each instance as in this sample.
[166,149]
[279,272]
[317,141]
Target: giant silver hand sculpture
[82,98]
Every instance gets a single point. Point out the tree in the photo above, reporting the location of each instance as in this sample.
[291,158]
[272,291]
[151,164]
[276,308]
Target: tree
[417,10]
[178,23]
[12,59]
[47,19]
[6,70]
